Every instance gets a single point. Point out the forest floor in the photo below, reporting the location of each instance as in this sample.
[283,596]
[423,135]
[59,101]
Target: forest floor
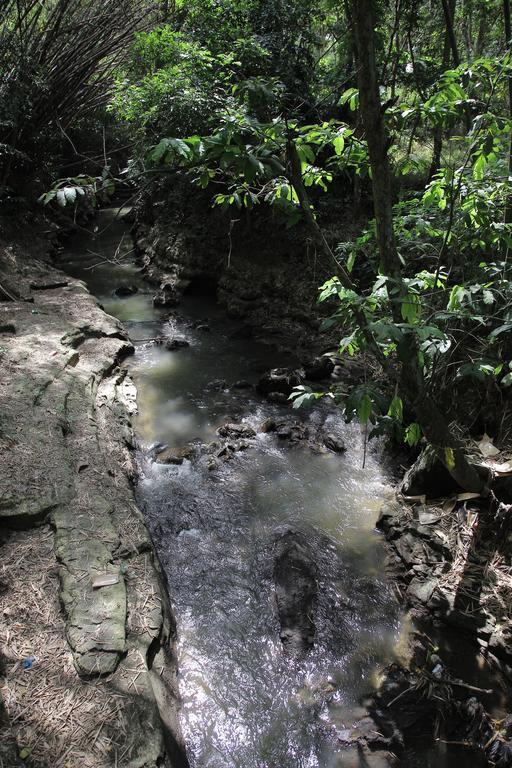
[86,668]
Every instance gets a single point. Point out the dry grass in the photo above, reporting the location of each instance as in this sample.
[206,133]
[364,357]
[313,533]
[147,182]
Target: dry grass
[63,721]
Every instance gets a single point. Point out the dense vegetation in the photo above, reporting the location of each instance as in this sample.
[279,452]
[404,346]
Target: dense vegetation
[275,103]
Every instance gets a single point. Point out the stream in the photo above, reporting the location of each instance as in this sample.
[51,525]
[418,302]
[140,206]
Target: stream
[215,524]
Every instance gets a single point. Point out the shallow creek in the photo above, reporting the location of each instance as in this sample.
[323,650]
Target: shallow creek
[245,704]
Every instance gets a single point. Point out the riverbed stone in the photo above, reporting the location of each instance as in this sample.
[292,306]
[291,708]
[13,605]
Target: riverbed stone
[334,443]
[319,368]
[176,455]
[421,589]
[126,290]
[279,380]
[236,430]
[429,477]
[176,343]
[295,578]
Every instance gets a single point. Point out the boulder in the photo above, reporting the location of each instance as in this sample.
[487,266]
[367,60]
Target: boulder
[126,290]
[166,296]
[319,368]
[217,385]
[428,477]
[236,431]
[334,443]
[242,384]
[176,455]
[277,397]
[279,380]
[229,449]
[174,344]
[292,431]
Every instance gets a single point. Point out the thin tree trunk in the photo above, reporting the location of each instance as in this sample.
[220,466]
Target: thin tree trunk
[372,118]
[508,41]
[438,130]
[449,15]
[449,449]
[482,32]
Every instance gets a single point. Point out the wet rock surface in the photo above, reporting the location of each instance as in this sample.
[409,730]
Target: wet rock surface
[279,381]
[295,578]
[236,430]
[64,445]
[176,343]
[273,294]
[334,443]
[318,369]
[126,290]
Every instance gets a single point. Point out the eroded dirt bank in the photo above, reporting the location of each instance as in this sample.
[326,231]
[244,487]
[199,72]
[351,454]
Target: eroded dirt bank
[86,637]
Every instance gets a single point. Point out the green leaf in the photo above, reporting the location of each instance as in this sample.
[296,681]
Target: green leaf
[305,152]
[501,329]
[479,370]
[449,459]
[410,308]
[47,197]
[364,409]
[412,434]
[396,408]
[70,194]
[339,144]
[456,295]
[479,167]
[352,96]
[61,198]
[252,167]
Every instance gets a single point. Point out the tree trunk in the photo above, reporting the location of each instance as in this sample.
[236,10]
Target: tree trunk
[508,42]
[438,130]
[433,423]
[372,118]
[449,15]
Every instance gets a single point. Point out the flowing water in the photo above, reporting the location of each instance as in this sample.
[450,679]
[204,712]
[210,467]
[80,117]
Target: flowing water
[245,704]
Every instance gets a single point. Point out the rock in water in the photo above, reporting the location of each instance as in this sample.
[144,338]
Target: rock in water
[319,368]
[126,290]
[296,593]
[236,430]
[334,443]
[173,344]
[279,380]
[242,384]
